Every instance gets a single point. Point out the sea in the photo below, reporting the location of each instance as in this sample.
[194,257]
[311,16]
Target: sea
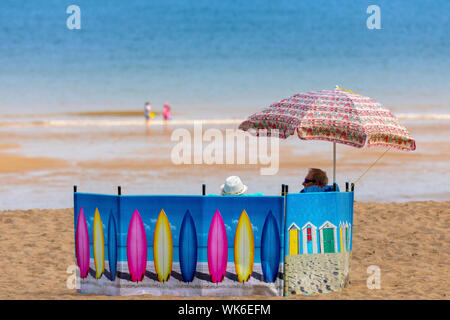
[220,57]
[208,59]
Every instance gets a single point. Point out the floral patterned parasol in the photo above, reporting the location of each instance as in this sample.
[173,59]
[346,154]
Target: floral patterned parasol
[338,115]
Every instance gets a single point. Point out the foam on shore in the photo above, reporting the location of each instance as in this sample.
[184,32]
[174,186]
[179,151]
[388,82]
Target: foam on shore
[158,122]
[115,123]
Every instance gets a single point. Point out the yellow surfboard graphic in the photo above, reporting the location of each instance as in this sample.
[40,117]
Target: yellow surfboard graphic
[244,248]
[99,246]
[162,247]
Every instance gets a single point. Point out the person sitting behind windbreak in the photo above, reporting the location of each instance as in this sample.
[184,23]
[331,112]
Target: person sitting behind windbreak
[316,181]
[233,186]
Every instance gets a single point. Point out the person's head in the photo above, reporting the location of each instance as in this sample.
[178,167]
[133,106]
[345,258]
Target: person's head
[147,103]
[166,104]
[315,177]
[233,186]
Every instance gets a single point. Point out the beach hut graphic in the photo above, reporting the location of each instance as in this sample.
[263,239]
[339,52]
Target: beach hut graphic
[328,237]
[344,234]
[309,238]
[347,236]
[293,239]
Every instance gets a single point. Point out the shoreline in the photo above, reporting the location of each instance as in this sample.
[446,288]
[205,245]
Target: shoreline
[41,165]
[124,118]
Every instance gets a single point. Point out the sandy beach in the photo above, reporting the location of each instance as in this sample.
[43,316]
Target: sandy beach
[408,241]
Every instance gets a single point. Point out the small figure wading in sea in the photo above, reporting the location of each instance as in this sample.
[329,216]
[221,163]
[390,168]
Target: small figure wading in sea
[148,111]
[167,115]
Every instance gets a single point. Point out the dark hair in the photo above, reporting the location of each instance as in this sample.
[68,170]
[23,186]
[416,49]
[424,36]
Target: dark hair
[319,176]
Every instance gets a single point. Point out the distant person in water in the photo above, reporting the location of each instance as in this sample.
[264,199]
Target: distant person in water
[166,114]
[317,181]
[148,111]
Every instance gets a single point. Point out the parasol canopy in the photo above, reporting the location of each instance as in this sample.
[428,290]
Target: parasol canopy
[339,116]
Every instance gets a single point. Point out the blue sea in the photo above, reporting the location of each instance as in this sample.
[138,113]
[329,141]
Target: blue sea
[214,58]
[71,101]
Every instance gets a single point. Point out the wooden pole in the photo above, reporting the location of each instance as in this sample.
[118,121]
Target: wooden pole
[334,163]
[74,188]
[204,189]
[119,190]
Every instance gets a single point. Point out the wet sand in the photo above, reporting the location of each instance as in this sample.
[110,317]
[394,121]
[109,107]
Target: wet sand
[50,160]
[409,242]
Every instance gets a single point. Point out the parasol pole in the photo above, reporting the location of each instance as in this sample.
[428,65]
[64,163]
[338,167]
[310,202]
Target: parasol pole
[334,163]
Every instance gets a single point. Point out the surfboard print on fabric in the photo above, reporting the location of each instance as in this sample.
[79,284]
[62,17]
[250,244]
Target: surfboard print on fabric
[99,245]
[136,248]
[112,246]
[217,248]
[244,248]
[82,245]
[270,248]
[163,247]
[188,248]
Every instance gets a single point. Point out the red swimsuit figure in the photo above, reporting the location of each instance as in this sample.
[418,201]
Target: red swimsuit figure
[167,115]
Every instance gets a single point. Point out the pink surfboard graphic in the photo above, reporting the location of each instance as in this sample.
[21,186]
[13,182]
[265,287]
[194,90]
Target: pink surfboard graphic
[82,245]
[136,248]
[217,248]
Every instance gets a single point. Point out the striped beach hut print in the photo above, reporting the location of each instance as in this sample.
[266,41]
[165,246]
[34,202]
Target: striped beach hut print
[328,238]
[309,232]
[348,236]
[344,235]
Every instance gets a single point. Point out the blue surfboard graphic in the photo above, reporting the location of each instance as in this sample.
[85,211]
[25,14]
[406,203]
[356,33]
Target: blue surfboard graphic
[188,248]
[270,248]
[112,246]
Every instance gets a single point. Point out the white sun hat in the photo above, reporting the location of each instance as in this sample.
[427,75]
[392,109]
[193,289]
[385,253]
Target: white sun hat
[233,186]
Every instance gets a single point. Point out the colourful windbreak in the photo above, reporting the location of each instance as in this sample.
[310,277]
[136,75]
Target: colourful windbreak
[213,246]
[183,245]
[334,115]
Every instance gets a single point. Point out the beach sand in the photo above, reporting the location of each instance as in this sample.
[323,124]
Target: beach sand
[408,241]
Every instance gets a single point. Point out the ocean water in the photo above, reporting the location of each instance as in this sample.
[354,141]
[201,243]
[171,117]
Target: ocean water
[215,58]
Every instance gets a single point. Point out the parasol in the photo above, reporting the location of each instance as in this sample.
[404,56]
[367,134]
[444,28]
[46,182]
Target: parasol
[338,116]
